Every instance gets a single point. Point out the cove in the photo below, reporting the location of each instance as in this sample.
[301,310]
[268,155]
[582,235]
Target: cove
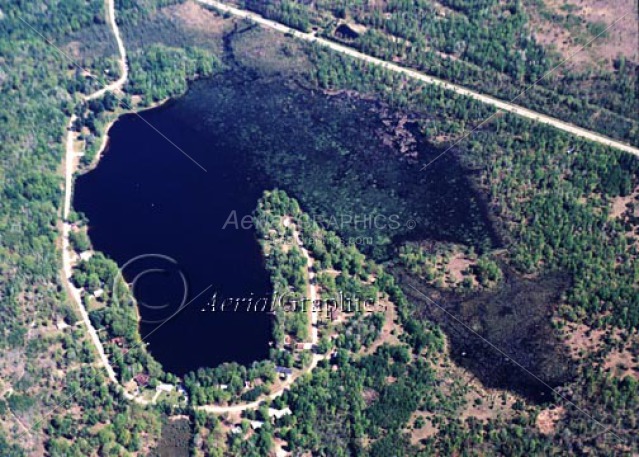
[338,155]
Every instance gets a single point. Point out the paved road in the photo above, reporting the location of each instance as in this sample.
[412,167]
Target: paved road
[499,104]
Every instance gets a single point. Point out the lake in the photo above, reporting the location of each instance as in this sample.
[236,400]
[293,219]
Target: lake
[147,199]
[161,217]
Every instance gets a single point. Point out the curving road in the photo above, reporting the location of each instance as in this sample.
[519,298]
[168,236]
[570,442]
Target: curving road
[67,267]
[124,68]
[313,295]
[69,168]
[216,409]
[499,104]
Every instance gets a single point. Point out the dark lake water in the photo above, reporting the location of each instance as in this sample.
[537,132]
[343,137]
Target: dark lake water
[146,198]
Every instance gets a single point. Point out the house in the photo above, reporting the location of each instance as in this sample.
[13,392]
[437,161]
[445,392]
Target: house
[86,255]
[256,424]
[283,372]
[142,379]
[164,388]
[118,341]
[279,413]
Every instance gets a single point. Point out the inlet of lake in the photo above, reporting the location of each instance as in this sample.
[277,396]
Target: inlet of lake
[159,214]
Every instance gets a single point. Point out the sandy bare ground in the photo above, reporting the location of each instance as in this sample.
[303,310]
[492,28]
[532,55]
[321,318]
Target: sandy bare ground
[620,361]
[390,330]
[621,39]
[548,418]
[619,208]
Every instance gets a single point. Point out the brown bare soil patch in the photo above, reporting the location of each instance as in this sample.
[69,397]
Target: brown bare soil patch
[622,363]
[548,418]
[582,340]
[390,331]
[427,431]
[619,208]
[457,266]
[193,16]
[369,396]
[595,15]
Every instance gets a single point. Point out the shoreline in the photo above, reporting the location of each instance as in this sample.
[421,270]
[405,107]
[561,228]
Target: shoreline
[106,137]
[70,167]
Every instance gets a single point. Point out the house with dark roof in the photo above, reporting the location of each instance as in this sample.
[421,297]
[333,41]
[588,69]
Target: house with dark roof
[283,371]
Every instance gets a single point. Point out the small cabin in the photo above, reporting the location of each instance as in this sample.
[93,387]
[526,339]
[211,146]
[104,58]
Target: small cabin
[279,413]
[283,372]
[118,341]
[256,424]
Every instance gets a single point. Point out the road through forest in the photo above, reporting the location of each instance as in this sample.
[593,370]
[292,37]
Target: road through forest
[499,104]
